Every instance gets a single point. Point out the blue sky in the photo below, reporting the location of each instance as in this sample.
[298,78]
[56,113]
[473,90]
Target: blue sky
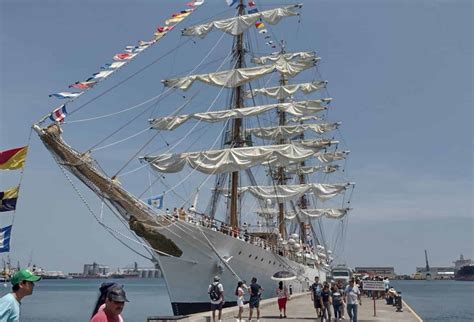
[400,73]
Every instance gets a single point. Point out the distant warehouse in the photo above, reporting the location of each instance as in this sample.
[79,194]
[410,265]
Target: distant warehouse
[376,271]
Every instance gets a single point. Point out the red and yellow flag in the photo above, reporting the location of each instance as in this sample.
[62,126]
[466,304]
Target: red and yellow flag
[13,159]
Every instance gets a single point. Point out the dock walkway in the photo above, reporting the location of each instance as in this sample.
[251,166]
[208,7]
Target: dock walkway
[300,308]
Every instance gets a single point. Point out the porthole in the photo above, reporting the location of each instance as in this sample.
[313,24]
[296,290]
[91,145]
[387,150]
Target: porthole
[273,263]
[261,260]
[240,252]
[250,255]
[256,257]
[269,262]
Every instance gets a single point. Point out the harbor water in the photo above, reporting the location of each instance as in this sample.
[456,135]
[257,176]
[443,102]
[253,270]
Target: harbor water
[439,300]
[73,300]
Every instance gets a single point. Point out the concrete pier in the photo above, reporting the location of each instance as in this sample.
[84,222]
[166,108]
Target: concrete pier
[300,308]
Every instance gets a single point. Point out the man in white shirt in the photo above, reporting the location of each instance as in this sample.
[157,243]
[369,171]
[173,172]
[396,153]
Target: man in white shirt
[23,283]
[216,293]
[352,300]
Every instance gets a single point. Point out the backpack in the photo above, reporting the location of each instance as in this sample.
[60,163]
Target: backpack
[215,292]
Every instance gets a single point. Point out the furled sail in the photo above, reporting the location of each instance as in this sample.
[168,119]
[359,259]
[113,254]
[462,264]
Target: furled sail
[283,193]
[285,57]
[299,108]
[239,24]
[334,213]
[288,131]
[282,92]
[239,76]
[304,119]
[316,143]
[229,160]
[332,156]
[311,169]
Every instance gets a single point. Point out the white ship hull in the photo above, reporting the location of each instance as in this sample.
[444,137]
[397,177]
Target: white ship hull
[188,276]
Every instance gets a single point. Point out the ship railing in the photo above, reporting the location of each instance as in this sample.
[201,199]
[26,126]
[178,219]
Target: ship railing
[220,226]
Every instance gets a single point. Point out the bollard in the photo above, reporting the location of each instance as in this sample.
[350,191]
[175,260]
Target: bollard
[290,289]
[398,302]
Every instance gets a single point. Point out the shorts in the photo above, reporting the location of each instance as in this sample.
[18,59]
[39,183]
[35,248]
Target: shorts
[240,302]
[317,303]
[254,302]
[282,303]
[216,306]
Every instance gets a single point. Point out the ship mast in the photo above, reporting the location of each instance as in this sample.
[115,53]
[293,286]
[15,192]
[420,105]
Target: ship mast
[238,52]
[281,170]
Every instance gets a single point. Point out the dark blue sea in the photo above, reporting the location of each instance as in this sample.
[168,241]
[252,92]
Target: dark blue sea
[73,300]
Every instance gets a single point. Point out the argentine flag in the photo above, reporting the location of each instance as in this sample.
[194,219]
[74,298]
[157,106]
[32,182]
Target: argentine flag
[5,233]
[156,202]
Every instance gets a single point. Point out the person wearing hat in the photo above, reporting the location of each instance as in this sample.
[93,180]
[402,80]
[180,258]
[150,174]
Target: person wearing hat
[216,293]
[110,304]
[23,283]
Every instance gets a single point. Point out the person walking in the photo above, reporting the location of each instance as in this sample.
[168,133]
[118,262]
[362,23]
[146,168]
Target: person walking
[110,304]
[23,283]
[337,303]
[316,289]
[282,294]
[326,302]
[216,293]
[254,301]
[239,292]
[352,300]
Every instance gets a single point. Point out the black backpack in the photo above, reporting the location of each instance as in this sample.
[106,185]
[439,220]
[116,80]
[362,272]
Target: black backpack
[215,292]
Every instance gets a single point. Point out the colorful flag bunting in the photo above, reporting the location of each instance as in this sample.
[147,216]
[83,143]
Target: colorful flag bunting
[174,20]
[117,64]
[83,85]
[66,95]
[5,234]
[103,74]
[156,202]
[251,3]
[259,24]
[8,199]
[146,43]
[13,159]
[164,29]
[129,53]
[123,56]
[59,114]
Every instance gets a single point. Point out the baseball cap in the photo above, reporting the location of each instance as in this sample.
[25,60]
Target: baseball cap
[24,275]
[217,278]
[117,294]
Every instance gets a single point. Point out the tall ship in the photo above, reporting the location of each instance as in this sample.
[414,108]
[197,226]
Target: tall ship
[241,147]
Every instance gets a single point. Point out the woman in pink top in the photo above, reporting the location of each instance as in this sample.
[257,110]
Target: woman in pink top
[282,294]
[110,303]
